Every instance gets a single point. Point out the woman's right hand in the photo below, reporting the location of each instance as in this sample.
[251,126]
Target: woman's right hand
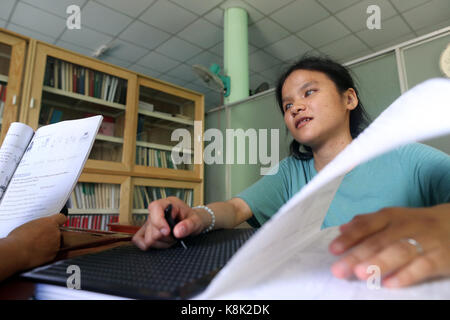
[155,232]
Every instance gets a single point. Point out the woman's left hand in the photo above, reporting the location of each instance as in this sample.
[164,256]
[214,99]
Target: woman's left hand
[384,238]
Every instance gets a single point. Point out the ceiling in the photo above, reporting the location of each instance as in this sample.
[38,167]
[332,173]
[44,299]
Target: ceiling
[164,38]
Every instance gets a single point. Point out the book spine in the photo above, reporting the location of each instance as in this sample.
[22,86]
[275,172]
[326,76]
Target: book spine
[74,78]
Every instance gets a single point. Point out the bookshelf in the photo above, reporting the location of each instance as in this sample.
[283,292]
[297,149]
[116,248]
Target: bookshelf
[94,205]
[66,85]
[147,190]
[161,111]
[133,151]
[12,65]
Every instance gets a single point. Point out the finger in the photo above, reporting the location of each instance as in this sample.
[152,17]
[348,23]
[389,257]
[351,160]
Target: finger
[366,249]
[140,241]
[138,238]
[186,227]
[153,235]
[356,230]
[435,263]
[388,260]
[156,216]
[60,219]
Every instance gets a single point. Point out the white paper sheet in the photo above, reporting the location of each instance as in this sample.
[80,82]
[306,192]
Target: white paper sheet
[288,257]
[307,275]
[13,147]
[48,172]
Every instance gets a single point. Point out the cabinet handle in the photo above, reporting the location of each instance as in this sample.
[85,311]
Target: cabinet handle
[32,103]
[14,100]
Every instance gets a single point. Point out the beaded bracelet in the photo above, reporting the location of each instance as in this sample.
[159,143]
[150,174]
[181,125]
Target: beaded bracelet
[213,216]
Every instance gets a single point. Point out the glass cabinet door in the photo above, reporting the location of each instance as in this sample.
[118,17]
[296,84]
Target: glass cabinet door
[69,86]
[5,59]
[71,91]
[165,130]
[12,64]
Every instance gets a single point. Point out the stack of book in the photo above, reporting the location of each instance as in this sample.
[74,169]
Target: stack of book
[88,197]
[143,195]
[69,77]
[95,195]
[154,158]
[91,221]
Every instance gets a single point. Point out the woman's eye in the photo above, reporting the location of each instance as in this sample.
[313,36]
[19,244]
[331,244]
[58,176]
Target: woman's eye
[287,106]
[309,92]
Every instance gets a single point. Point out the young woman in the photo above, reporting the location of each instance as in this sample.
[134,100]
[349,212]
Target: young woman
[408,189]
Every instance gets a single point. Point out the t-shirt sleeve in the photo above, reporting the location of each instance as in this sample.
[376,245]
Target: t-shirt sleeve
[267,195]
[431,172]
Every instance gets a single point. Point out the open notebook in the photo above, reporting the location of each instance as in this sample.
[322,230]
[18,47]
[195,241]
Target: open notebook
[38,170]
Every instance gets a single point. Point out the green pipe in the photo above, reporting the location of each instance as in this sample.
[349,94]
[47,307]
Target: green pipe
[235,49]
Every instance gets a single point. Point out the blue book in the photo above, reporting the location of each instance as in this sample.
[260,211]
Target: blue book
[56,116]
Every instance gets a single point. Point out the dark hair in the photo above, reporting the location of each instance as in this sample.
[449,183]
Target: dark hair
[341,77]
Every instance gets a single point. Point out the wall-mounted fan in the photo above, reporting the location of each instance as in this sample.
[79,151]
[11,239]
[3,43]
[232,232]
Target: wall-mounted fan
[262,87]
[213,79]
[101,51]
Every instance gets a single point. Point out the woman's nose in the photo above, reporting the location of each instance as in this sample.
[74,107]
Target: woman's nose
[297,107]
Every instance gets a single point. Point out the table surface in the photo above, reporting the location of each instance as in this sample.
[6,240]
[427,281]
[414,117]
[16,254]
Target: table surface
[74,243]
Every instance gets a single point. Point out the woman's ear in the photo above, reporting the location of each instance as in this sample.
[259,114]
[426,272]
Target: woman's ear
[351,100]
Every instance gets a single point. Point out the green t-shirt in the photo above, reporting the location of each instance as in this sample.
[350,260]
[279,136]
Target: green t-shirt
[414,175]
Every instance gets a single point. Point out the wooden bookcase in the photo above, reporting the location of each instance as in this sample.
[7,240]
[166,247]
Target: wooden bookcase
[132,156]
[13,49]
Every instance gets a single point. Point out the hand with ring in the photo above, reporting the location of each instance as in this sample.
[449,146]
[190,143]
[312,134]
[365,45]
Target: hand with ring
[409,245]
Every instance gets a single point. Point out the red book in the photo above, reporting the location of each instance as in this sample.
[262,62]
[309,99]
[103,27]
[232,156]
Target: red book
[107,126]
[3,93]
[74,78]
